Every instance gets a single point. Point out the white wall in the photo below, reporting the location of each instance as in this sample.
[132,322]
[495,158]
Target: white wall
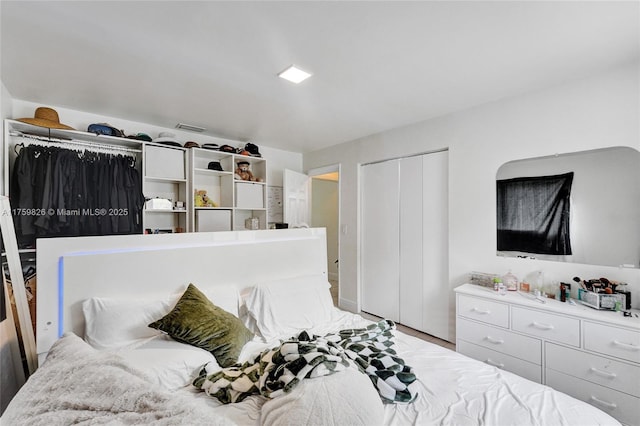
[277,159]
[5,102]
[593,113]
[5,112]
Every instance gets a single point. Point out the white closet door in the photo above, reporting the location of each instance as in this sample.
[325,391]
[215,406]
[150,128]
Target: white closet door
[380,236]
[435,249]
[411,242]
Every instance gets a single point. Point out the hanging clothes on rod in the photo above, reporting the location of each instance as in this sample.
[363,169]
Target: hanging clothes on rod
[71,190]
[74,144]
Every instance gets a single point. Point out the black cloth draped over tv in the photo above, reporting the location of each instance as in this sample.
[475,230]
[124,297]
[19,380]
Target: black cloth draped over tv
[533,214]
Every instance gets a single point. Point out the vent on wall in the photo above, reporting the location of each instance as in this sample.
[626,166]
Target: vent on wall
[190,127]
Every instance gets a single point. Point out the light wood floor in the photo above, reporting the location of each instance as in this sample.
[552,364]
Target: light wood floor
[403,328]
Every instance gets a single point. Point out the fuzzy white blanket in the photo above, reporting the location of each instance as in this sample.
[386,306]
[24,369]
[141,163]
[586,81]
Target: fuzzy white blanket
[80,385]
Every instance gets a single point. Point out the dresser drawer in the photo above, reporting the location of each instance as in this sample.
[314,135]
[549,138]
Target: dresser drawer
[548,326]
[594,368]
[617,404]
[500,340]
[483,310]
[614,341]
[503,361]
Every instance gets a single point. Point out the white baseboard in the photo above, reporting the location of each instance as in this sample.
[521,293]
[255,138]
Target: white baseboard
[348,305]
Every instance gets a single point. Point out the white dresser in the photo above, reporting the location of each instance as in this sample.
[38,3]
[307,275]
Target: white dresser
[589,354]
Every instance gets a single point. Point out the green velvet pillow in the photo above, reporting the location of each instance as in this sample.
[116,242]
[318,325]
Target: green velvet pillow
[198,322]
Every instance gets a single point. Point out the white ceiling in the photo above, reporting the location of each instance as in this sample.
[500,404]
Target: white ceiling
[376,65]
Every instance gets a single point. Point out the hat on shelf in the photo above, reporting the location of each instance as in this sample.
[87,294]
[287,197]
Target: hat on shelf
[253,149]
[167,138]
[105,129]
[191,144]
[46,117]
[213,146]
[141,137]
[215,165]
[227,148]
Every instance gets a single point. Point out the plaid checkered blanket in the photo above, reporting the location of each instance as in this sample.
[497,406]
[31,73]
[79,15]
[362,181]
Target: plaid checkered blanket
[280,369]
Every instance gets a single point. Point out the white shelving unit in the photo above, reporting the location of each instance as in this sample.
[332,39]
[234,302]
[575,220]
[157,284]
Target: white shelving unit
[251,197]
[172,173]
[165,176]
[235,200]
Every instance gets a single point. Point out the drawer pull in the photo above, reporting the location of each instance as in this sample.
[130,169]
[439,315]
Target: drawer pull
[542,326]
[627,345]
[495,364]
[603,373]
[610,405]
[492,340]
[480,311]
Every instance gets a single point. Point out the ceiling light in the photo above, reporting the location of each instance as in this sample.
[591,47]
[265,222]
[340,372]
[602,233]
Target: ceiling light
[293,74]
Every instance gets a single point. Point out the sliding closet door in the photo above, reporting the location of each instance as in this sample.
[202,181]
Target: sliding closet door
[404,239]
[380,236]
[411,242]
[435,244]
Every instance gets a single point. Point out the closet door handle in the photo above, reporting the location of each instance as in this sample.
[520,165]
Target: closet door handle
[493,340]
[494,363]
[542,326]
[603,373]
[480,311]
[630,346]
[606,404]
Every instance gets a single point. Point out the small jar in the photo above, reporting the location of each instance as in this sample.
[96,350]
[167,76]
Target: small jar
[510,281]
[496,283]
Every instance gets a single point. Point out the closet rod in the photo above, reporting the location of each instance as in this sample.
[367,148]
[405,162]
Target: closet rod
[74,142]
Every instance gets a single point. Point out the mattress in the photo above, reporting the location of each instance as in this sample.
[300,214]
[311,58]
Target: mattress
[453,390]
[78,383]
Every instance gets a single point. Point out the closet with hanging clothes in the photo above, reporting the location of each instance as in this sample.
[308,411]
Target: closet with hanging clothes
[66,187]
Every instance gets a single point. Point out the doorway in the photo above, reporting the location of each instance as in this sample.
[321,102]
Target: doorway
[325,213]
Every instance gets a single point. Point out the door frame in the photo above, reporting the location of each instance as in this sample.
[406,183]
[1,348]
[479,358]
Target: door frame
[333,168]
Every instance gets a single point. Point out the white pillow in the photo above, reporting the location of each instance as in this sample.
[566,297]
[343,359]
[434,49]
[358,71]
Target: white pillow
[170,364]
[226,297]
[285,307]
[112,323]
[118,322]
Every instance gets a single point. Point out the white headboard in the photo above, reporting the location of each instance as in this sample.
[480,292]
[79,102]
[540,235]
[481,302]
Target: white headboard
[71,270]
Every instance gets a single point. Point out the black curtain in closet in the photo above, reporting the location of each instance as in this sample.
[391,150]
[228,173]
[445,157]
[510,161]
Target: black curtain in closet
[57,192]
[533,214]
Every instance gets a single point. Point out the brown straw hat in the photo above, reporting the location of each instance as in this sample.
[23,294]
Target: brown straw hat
[46,117]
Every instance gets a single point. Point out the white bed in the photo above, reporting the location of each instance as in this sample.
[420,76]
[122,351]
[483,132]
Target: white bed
[451,388]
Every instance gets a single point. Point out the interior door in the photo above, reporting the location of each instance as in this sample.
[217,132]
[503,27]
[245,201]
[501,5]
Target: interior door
[380,239]
[296,209]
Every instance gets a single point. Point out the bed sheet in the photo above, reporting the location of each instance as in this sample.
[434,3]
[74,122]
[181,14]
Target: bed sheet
[454,390]
[457,390]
